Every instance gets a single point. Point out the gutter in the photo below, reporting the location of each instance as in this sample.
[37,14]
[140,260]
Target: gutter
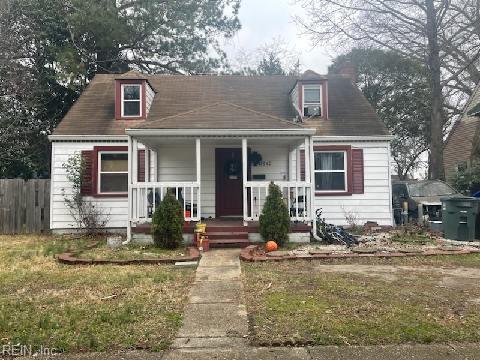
[87,137]
[219,132]
[353,138]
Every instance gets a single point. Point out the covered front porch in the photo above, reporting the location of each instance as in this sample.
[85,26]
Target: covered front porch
[218,175]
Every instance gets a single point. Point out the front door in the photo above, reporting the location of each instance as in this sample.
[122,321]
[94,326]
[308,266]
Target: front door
[228,180]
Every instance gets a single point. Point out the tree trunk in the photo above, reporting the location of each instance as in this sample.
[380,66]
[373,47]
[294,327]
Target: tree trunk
[436,170]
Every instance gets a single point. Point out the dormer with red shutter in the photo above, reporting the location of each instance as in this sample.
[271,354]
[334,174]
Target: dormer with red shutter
[133,96]
[310,96]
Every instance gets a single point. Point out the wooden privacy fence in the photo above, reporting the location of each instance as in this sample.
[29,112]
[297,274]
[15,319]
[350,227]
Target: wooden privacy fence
[24,206]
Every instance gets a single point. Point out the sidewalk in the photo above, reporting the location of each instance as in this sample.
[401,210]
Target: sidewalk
[389,352]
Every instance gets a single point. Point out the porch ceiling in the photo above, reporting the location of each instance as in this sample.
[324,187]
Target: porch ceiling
[155,142]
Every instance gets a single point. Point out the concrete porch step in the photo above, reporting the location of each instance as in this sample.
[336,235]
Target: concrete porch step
[229,243]
[226,235]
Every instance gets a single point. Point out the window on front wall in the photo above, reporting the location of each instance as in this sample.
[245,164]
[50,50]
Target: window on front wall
[312,103]
[112,172]
[131,100]
[330,171]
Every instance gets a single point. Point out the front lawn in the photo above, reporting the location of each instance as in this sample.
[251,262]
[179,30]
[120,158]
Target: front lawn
[364,301]
[85,308]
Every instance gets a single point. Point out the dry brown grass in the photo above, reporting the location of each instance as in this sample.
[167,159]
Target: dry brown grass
[80,308]
[411,300]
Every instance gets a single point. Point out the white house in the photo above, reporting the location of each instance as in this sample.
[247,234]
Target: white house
[217,142]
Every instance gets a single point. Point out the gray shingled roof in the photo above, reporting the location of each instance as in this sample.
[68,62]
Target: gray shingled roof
[94,112]
[221,115]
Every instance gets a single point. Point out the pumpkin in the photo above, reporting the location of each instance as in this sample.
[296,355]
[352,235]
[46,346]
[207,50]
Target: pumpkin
[271,246]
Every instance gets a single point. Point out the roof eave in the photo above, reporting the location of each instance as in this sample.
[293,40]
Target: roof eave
[220,132]
[87,137]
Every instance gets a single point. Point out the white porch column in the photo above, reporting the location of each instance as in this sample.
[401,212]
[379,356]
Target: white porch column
[134,152]
[129,198]
[154,159]
[147,164]
[292,171]
[308,159]
[199,178]
[312,188]
[244,182]
[299,164]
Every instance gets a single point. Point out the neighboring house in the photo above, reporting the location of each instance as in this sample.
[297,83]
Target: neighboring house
[462,138]
[217,142]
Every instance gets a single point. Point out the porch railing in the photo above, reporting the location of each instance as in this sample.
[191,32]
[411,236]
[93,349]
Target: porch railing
[145,197]
[297,196]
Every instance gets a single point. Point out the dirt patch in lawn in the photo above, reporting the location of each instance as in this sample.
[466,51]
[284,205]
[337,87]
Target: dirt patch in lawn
[393,273]
[303,302]
[90,308]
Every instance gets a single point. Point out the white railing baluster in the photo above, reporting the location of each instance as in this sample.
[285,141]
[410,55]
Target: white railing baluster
[296,202]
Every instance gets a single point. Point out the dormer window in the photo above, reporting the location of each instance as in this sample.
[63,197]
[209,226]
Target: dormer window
[131,100]
[312,100]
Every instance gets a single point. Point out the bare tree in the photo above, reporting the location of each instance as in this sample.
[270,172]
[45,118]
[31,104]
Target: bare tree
[277,49]
[443,34]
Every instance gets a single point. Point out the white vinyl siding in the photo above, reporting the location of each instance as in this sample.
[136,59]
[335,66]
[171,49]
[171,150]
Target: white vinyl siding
[150,94]
[177,163]
[116,208]
[375,203]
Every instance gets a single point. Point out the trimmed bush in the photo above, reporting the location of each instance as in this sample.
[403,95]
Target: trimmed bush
[275,220]
[167,223]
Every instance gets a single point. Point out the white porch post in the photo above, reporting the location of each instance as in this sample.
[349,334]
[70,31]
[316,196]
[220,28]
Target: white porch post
[299,165]
[147,164]
[199,178]
[129,176]
[134,152]
[244,182]
[292,171]
[308,159]
[154,174]
[312,187]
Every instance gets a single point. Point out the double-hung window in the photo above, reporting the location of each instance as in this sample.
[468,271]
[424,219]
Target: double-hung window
[112,172]
[331,171]
[131,100]
[312,100]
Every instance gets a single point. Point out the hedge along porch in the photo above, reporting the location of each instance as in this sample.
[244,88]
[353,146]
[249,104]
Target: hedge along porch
[215,174]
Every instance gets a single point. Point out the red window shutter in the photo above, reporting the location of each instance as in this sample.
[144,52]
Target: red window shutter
[87,179]
[302,165]
[141,166]
[357,171]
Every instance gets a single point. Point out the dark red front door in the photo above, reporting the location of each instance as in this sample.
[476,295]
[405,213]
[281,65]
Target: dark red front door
[228,180]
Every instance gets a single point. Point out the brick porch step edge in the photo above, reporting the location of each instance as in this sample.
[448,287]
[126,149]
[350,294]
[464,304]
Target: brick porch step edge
[251,253]
[71,259]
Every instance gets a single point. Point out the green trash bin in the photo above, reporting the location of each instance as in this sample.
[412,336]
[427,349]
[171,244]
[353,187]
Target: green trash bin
[459,216]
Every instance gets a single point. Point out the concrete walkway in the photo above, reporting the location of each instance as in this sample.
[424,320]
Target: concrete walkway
[215,316]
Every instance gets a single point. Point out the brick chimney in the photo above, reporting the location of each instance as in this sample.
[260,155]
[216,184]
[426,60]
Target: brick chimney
[348,70]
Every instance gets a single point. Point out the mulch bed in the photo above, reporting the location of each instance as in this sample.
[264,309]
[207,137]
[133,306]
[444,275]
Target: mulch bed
[254,253]
[70,259]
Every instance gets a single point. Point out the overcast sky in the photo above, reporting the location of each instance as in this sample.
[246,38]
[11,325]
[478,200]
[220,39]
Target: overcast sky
[265,20]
